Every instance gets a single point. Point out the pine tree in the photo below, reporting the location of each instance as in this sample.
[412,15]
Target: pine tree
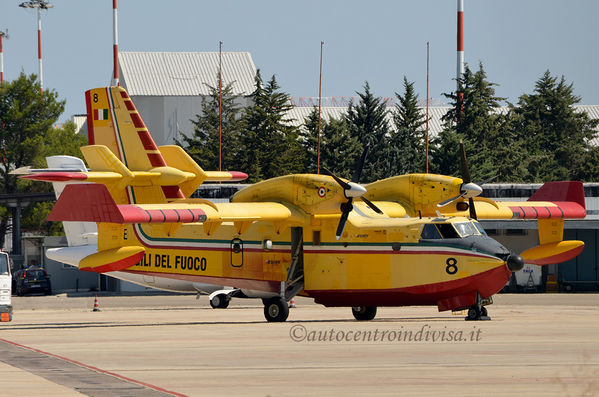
[408,141]
[271,145]
[478,127]
[309,140]
[556,136]
[203,146]
[367,122]
[338,148]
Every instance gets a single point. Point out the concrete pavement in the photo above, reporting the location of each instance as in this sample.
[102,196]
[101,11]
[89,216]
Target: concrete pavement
[535,344]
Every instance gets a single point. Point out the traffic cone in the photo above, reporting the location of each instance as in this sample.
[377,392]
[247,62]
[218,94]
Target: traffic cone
[292,303]
[96,305]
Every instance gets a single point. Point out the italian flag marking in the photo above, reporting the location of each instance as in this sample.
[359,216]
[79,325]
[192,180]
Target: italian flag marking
[100,114]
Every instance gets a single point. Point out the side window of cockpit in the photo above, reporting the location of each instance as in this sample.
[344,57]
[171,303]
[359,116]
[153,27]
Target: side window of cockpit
[447,230]
[430,232]
[466,229]
[480,228]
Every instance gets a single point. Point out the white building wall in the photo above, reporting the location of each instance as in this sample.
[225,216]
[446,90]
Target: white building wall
[169,116]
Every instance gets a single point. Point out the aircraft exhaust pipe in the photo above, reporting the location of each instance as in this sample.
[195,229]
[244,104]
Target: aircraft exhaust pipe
[515,262]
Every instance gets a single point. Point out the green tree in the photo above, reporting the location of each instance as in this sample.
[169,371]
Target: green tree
[26,117]
[408,141]
[556,136]
[271,145]
[338,148]
[309,140]
[62,140]
[367,122]
[478,126]
[203,146]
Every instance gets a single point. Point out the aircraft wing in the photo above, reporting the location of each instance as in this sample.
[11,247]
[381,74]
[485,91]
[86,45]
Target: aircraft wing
[563,200]
[93,203]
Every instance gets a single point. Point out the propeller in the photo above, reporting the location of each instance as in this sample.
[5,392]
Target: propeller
[468,189]
[352,190]
[467,184]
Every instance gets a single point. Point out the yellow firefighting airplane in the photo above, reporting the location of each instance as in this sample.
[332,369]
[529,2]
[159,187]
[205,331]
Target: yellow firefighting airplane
[296,234]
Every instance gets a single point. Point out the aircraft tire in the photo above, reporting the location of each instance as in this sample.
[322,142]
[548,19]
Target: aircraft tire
[219,301]
[474,313]
[276,310]
[483,311]
[364,313]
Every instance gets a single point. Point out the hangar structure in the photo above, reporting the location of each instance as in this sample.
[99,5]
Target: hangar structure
[168,87]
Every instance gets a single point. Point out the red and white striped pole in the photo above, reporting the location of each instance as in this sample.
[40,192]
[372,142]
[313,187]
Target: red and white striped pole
[2,35]
[115,52]
[39,48]
[460,60]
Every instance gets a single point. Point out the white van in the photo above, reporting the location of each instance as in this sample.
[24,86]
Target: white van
[5,288]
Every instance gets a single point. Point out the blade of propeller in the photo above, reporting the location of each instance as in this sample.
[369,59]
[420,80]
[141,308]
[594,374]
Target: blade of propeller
[450,200]
[342,183]
[464,161]
[343,220]
[472,209]
[358,171]
[371,205]
[466,179]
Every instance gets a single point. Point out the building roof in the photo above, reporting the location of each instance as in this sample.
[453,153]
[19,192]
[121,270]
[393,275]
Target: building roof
[184,73]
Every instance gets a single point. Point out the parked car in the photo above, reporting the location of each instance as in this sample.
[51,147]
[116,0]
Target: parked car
[31,280]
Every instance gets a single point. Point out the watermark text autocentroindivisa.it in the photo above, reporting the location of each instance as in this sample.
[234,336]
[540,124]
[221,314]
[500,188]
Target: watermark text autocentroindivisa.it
[425,333]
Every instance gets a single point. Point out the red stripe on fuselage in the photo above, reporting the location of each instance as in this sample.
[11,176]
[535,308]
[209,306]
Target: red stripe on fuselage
[486,283]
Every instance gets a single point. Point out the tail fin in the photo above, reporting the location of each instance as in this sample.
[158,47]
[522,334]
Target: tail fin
[113,121]
[563,191]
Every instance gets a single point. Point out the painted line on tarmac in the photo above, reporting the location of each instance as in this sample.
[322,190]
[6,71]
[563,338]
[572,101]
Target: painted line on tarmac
[83,378]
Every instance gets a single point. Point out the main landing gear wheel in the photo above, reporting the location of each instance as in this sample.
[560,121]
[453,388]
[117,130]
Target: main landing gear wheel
[477,311]
[364,313]
[220,301]
[276,310]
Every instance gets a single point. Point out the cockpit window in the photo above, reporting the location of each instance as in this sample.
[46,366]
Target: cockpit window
[447,230]
[430,232]
[466,229]
[480,228]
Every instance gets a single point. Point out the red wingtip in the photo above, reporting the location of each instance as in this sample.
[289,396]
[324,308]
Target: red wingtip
[238,176]
[56,176]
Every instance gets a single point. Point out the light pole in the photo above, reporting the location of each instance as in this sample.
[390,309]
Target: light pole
[2,35]
[38,5]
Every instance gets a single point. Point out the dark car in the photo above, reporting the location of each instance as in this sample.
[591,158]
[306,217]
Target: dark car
[31,280]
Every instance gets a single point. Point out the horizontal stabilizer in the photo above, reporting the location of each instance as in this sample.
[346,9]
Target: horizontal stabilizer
[93,203]
[112,260]
[558,252]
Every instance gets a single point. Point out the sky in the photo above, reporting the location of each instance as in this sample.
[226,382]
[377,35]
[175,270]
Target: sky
[376,41]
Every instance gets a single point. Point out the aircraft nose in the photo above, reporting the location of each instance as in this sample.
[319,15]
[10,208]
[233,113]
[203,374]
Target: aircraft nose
[515,262]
